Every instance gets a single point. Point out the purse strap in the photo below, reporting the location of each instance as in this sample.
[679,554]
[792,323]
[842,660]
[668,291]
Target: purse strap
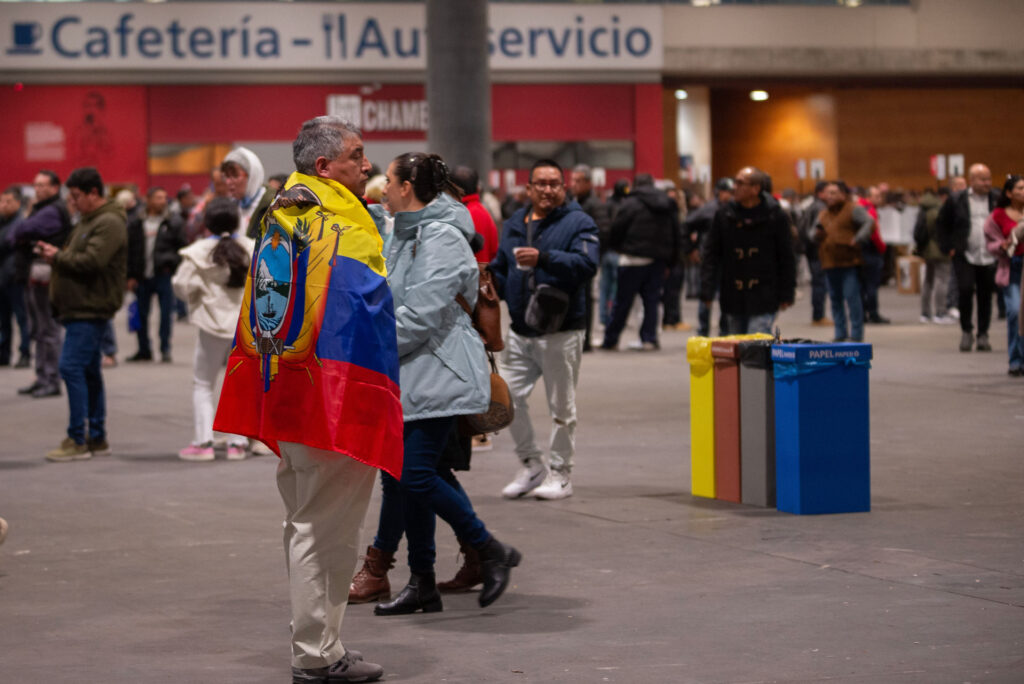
[461,301]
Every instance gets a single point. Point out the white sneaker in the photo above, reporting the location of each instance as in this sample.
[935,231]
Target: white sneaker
[954,313]
[258,448]
[527,480]
[556,486]
[944,320]
[926,319]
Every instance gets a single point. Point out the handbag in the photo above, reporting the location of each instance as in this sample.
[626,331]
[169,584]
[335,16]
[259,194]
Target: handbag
[499,415]
[486,316]
[546,310]
[133,317]
[547,307]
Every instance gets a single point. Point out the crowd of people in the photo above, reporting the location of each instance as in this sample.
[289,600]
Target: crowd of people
[389,270]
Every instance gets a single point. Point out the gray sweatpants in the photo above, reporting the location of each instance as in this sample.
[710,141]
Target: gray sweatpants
[556,358]
[46,334]
[936,284]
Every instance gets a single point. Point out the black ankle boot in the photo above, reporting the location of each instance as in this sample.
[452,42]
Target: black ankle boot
[496,563]
[419,594]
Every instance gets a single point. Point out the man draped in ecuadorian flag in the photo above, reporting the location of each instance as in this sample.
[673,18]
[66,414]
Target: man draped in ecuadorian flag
[314,375]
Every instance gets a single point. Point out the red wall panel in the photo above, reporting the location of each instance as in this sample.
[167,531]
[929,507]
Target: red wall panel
[648,150]
[562,112]
[65,127]
[226,113]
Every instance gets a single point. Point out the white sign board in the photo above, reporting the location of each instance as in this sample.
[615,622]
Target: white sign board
[955,164]
[818,169]
[315,36]
[801,169]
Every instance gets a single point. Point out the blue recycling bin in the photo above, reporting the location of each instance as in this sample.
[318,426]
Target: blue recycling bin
[822,427]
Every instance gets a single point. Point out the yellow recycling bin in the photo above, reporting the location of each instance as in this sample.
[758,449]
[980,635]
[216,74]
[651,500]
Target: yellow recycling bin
[702,417]
[702,411]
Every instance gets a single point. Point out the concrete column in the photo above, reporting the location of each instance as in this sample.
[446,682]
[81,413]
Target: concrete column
[459,83]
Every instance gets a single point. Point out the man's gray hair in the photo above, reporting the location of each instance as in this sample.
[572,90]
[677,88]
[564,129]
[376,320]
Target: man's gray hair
[323,136]
[583,169]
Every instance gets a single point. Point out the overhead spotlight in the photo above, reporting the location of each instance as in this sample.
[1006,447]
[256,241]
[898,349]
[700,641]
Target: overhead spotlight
[851,3]
[758,95]
[682,94]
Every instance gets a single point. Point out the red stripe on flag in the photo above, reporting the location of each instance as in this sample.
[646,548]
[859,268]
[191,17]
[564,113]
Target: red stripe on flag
[339,407]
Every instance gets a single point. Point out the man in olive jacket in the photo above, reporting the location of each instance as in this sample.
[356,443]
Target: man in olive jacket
[86,290]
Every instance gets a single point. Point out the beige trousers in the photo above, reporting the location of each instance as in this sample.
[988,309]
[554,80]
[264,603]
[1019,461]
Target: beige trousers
[325,498]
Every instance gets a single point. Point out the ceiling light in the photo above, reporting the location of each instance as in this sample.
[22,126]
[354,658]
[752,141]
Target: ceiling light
[758,95]
[682,95]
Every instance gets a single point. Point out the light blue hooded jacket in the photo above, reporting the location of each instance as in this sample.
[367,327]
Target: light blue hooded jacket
[443,365]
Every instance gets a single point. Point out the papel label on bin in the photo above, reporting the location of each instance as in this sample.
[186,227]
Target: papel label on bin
[802,353]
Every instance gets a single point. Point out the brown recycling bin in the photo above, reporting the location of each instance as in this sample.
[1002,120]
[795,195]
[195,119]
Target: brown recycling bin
[725,353]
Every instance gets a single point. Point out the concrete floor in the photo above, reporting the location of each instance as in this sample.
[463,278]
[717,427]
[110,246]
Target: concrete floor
[141,567]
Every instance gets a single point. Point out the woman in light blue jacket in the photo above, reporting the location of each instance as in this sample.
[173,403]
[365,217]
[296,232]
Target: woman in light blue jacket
[443,374]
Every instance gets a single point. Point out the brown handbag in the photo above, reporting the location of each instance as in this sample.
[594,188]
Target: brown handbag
[486,319]
[486,316]
[501,412]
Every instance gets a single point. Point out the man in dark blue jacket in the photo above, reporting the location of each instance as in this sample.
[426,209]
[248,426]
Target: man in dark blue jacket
[554,243]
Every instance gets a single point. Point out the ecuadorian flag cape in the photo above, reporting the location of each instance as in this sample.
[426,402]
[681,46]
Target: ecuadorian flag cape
[315,358]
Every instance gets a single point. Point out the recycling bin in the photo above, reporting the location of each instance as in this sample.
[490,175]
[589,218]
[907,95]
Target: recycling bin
[726,418]
[822,427]
[702,417]
[757,424]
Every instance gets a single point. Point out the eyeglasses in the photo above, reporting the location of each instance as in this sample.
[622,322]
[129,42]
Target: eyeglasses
[552,185]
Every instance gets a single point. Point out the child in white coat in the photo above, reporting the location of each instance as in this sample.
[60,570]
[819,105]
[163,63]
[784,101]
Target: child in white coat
[211,279]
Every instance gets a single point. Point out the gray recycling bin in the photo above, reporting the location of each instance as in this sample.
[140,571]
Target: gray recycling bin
[757,424]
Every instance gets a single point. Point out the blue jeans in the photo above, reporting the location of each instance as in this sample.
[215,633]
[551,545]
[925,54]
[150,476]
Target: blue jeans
[844,292]
[425,493]
[1011,297]
[391,523]
[12,303]
[80,368]
[818,289]
[108,345]
[607,285]
[159,285]
[734,324]
[633,280]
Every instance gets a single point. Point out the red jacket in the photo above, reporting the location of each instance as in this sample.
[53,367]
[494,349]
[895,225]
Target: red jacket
[484,225]
[876,237]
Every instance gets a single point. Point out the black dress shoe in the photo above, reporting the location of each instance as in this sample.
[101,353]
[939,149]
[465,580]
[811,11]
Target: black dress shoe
[31,388]
[878,319]
[139,356]
[43,392]
[496,563]
[23,362]
[419,594]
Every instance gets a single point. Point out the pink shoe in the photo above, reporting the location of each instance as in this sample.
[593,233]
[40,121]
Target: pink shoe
[236,453]
[196,452]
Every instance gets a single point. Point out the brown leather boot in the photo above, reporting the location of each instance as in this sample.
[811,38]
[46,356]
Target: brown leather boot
[371,582]
[468,575]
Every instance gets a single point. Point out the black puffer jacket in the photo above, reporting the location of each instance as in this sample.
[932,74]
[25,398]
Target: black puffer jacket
[170,238]
[750,254]
[647,225]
